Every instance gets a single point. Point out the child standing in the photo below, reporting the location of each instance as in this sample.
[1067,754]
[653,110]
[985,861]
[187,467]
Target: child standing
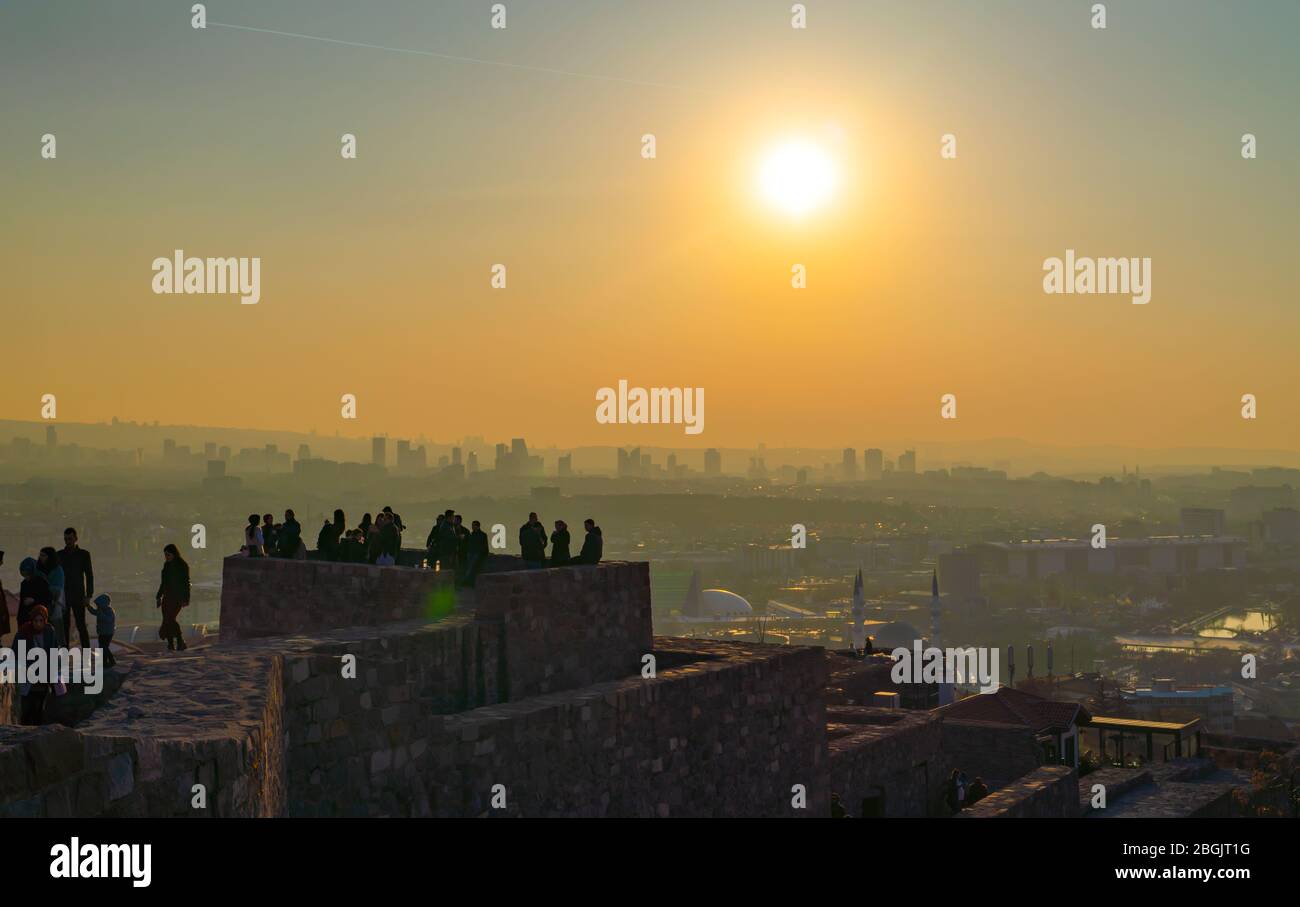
[105,624]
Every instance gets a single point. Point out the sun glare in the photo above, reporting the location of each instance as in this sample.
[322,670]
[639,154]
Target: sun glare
[797,178]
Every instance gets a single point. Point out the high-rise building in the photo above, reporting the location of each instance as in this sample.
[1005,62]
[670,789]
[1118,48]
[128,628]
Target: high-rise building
[51,437]
[907,461]
[564,467]
[471,463]
[873,460]
[379,451]
[1202,521]
[712,462]
[455,456]
[210,450]
[849,469]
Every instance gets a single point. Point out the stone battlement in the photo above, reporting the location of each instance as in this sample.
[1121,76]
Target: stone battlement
[531,685]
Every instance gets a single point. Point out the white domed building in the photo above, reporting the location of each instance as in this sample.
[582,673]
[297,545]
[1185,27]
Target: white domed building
[714,604]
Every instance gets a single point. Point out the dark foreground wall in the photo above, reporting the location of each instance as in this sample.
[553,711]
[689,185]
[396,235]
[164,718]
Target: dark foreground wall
[730,733]
[412,718]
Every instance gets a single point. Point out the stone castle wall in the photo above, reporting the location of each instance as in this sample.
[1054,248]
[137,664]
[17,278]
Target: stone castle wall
[538,690]
[281,597]
[727,733]
[1048,792]
[998,753]
[212,719]
[890,758]
[568,627]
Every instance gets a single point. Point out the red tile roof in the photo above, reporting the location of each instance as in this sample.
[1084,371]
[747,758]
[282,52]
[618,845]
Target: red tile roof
[1010,706]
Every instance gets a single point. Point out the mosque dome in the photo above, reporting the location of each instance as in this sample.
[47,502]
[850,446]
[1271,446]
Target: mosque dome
[893,635]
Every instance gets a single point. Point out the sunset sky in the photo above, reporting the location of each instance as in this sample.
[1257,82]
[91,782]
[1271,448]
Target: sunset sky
[924,274]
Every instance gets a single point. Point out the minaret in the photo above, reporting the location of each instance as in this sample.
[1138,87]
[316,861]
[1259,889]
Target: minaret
[935,605]
[691,605]
[859,614]
[946,693]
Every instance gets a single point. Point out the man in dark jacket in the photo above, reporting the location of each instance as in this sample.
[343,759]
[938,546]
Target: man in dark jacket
[390,538]
[593,546]
[447,541]
[532,542]
[78,587]
[476,553]
[327,542]
[289,537]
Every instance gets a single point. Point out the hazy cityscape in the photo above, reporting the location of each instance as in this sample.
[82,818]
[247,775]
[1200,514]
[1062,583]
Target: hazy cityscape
[1201,563]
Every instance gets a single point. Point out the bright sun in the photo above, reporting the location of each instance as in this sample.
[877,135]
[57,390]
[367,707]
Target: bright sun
[797,177]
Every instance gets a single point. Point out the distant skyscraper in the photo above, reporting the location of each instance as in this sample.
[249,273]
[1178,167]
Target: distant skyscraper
[379,451]
[873,462]
[849,469]
[712,462]
[304,452]
[907,461]
[564,467]
[455,456]
[210,450]
[51,437]
[471,463]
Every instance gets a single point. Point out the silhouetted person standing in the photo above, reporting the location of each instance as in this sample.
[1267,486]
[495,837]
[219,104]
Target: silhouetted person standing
[327,542]
[105,625]
[431,543]
[36,633]
[560,556]
[532,542]
[462,541]
[593,546]
[33,593]
[78,586]
[476,553]
[447,541]
[173,594]
[978,791]
[390,540]
[253,538]
[269,545]
[289,537]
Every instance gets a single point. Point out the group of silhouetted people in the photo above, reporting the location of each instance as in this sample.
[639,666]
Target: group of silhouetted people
[961,793]
[272,539]
[533,539]
[450,545]
[56,593]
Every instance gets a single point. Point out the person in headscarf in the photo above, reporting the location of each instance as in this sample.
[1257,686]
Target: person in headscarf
[33,591]
[173,594]
[560,556]
[47,564]
[35,633]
